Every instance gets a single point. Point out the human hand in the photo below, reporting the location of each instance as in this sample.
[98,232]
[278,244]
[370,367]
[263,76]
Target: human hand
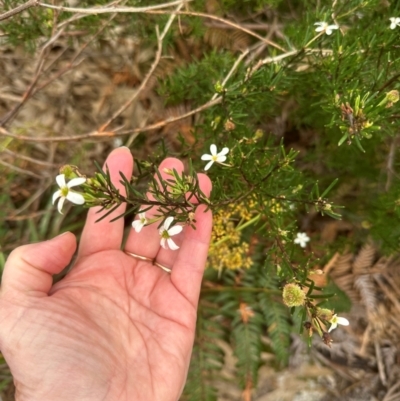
[116,327]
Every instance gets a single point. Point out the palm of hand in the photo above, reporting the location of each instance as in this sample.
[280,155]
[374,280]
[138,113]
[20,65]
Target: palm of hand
[115,328]
[115,320]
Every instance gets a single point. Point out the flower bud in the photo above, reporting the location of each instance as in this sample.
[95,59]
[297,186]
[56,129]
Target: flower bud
[390,98]
[69,171]
[229,125]
[324,314]
[168,171]
[293,295]
[393,96]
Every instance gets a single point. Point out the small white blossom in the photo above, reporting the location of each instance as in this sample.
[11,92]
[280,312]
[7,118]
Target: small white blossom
[166,234]
[324,27]
[337,320]
[394,22]
[215,157]
[139,224]
[302,239]
[65,191]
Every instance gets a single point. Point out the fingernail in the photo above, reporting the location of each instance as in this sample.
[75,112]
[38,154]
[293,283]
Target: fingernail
[62,234]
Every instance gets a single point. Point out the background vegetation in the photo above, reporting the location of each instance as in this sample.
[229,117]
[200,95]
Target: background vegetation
[311,121]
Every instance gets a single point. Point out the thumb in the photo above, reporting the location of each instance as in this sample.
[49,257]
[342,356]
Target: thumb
[29,268]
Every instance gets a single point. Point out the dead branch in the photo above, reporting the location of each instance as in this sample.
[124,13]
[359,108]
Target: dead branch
[28,159]
[112,134]
[158,10]
[19,9]
[20,170]
[160,39]
[30,91]
[108,9]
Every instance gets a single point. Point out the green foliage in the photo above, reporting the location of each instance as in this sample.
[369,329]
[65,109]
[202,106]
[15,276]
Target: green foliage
[187,82]
[311,122]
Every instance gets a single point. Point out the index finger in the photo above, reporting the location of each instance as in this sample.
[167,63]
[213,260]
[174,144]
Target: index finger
[104,235]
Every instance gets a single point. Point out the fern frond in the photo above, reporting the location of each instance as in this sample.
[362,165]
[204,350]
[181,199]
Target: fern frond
[221,38]
[346,284]
[207,356]
[367,291]
[342,266]
[279,328]
[247,348]
[364,259]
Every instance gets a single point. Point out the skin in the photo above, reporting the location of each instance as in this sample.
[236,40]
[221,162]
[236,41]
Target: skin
[115,328]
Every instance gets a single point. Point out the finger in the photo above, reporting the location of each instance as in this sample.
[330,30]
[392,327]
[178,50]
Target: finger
[188,269]
[29,268]
[147,241]
[167,257]
[104,235]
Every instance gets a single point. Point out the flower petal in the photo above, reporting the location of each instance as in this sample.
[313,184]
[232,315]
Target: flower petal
[221,159]
[60,204]
[343,321]
[208,165]
[206,157]
[333,327]
[168,222]
[213,149]
[137,225]
[75,198]
[163,244]
[56,195]
[175,230]
[223,152]
[60,179]
[76,181]
[172,244]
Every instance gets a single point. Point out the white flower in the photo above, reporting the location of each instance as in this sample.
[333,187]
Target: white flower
[394,22]
[166,234]
[215,157]
[139,224]
[324,27]
[337,320]
[302,239]
[65,192]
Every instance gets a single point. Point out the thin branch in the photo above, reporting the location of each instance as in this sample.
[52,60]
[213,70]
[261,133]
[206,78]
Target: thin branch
[77,17]
[19,9]
[20,170]
[227,22]
[158,10]
[38,193]
[389,164]
[30,90]
[232,70]
[26,216]
[29,159]
[34,87]
[107,9]
[112,134]
[72,64]
[156,61]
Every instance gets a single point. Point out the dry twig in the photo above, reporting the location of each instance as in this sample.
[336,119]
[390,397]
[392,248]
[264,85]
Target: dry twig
[19,9]
[112,134]
[160,39]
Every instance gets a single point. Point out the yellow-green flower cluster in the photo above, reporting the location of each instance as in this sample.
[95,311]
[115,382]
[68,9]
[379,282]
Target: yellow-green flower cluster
[228,250]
